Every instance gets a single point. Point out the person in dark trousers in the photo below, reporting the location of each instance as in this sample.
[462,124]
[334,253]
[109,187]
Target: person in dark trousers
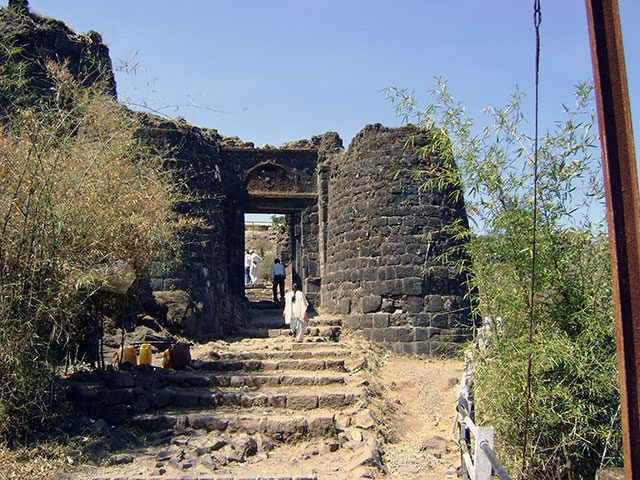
[247,267]
[277,274]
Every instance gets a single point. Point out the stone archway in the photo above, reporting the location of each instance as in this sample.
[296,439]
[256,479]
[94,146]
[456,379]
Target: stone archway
[282,181]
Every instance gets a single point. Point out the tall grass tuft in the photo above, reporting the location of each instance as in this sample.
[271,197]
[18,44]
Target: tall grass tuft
[78,195]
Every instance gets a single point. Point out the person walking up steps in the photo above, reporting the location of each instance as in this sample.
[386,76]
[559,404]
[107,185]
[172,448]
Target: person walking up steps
[295,312]
[253,271]
[277,274]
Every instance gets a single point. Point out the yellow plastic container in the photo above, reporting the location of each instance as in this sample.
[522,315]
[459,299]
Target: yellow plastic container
[145,354]
[130,355]
[167,362]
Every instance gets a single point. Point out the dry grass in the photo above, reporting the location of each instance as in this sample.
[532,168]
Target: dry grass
[78,193]
[39,462]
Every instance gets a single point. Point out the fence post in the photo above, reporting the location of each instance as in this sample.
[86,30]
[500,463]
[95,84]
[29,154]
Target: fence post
[480,460]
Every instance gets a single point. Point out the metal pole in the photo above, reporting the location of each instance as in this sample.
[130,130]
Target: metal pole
[623,211]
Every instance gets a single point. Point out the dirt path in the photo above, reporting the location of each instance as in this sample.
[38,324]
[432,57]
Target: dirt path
[423,393]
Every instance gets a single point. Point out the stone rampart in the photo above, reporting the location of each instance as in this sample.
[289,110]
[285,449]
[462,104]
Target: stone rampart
[385,233]
[363,240]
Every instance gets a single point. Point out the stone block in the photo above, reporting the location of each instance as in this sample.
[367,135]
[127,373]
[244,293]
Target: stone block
[313,364]
[141,404]
[377,335]
[433,303]
[405,334]
[433,331]
[420,348]
[439,320]
[413,304]
[396,287]
[278,401]
[444,348]
[398,319]
[331,400]
[390,335]
[380,288]
[450,303]
[322,426]
[420,334]
[371,303]
[404,271]
[460,320]
[302,402]
[455,338]
[381,274]
[344,306]
[229,399]
[187,399]
[120,396]
[116,414]
[334,364]
[400,249]
[367,321]
[119,379]
[380,320]
[420,319]
[412,286]
[351,322]
[406,259]
[285,429]
[259,400]
[610,474]
[159,398]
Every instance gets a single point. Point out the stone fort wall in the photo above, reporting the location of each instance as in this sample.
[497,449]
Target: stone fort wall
[366,241]
[385,234]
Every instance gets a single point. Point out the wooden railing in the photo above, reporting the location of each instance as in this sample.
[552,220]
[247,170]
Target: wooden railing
[478,460]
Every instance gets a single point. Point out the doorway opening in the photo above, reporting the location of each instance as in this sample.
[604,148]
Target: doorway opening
[267,237]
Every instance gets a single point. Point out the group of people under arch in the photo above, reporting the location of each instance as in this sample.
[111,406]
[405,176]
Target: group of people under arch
[295,302]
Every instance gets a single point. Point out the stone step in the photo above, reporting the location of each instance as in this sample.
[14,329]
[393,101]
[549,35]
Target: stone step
[208,477]
[279,427]
[330,332]
[291,398]
[234,380]
[279,354]
[276,320]
[313,364]
[271,380]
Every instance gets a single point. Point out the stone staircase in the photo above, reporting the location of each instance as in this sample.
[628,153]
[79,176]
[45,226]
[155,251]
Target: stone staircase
[255,406]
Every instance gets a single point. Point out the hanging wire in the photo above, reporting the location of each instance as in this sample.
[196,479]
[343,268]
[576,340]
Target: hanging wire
[537,20]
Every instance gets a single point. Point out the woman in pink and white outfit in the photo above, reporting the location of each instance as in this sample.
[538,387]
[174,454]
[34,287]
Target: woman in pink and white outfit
[295,312]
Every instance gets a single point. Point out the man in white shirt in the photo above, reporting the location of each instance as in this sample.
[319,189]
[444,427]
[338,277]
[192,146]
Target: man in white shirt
[277,275]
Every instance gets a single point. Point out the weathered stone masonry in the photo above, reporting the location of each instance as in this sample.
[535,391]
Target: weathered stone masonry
[385,233]
[363,242]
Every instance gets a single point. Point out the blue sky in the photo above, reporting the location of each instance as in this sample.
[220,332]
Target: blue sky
[271,71]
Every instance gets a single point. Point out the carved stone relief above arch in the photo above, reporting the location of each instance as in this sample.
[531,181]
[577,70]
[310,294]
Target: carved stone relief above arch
[269,177]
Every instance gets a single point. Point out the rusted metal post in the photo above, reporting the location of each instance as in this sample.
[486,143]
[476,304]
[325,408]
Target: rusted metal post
[623,211]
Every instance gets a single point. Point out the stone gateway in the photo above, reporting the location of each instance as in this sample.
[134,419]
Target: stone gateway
[364,238]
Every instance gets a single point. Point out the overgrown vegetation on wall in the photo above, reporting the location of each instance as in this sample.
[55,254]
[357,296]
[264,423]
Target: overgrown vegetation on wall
[573,426]
[79,196]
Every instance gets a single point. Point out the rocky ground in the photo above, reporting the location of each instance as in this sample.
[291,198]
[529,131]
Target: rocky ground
[267,407]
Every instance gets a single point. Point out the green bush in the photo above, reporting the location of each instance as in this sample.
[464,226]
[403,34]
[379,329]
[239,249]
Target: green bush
[565,327]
